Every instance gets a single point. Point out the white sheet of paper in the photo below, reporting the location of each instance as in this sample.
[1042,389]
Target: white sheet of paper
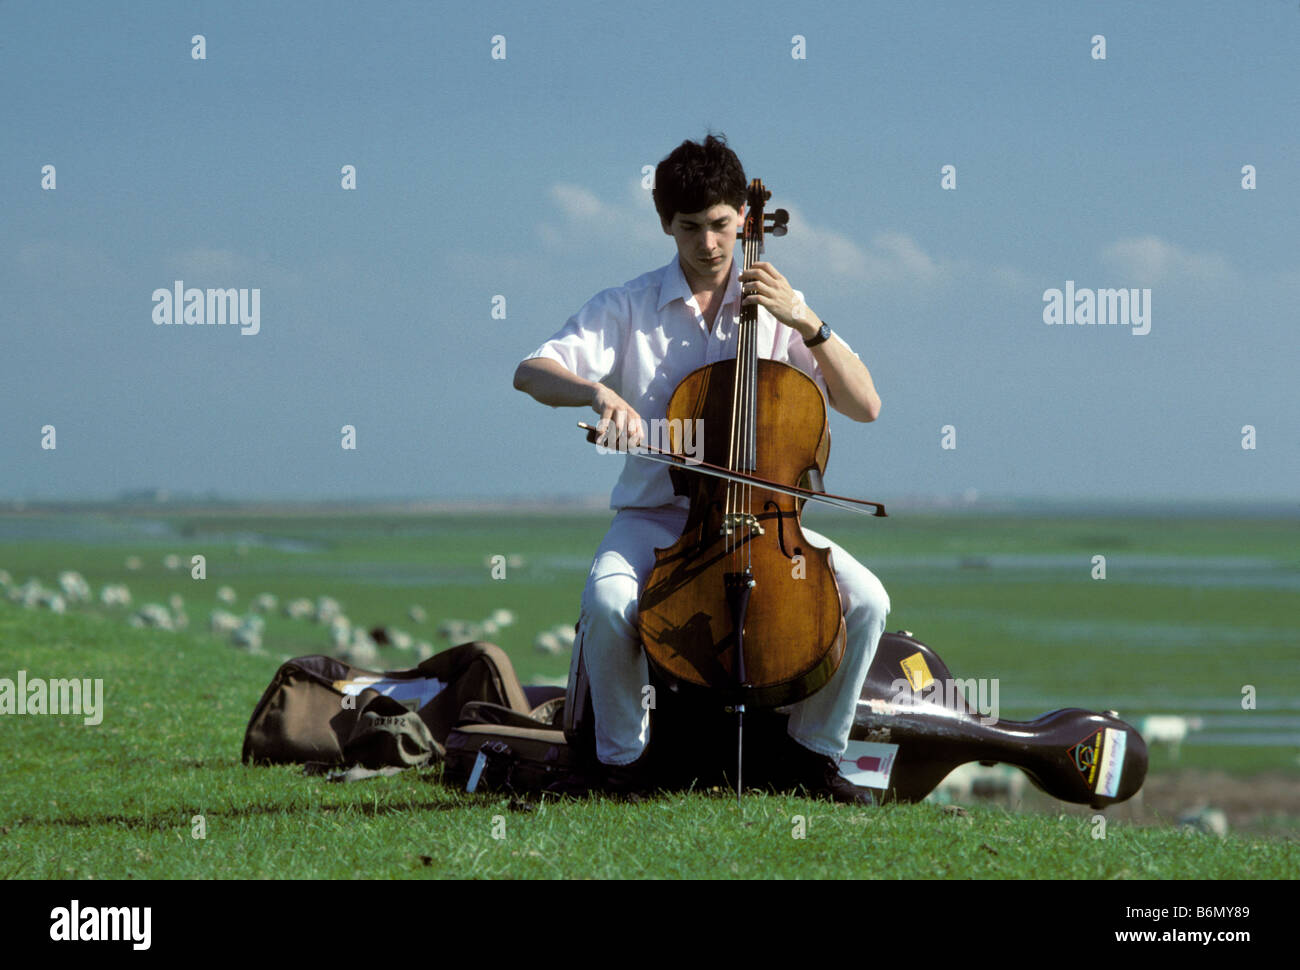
[868,763]
[414,694]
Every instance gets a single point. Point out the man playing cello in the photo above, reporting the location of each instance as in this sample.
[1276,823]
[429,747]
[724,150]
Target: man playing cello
[622,355]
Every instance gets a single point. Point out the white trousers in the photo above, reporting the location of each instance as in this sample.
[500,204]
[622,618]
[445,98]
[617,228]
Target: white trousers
[616,664]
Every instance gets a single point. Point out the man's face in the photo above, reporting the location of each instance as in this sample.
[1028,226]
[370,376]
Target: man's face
[706,240]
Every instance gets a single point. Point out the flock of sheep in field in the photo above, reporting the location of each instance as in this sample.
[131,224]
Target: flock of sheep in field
[359,646]
[356,644]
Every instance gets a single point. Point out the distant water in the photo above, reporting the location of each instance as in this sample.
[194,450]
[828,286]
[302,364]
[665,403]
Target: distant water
[127,529]
[1192,571]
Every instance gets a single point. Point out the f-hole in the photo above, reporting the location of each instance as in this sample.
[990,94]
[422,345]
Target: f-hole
[771,506]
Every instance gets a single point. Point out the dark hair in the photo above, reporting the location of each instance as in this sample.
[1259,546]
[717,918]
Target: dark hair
[695,177]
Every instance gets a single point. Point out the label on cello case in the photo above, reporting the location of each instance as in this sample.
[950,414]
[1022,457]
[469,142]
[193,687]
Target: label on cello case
[868,764]
[1112,762]
[1086,755]
[916,671]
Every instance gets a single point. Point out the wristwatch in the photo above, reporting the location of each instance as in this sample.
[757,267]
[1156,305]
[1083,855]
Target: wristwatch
[822,335]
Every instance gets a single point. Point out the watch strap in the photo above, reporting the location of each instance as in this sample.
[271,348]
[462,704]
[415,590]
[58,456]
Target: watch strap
[822,335]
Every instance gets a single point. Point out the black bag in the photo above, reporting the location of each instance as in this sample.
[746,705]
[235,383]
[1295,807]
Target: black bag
[494,748]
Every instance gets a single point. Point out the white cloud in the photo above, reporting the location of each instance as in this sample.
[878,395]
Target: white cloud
[595,224]
[210,262]
[888,257]
[225,267]
[578,204]
[1149,259]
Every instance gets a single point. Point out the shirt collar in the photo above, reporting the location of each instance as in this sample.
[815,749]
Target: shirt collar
[673,285]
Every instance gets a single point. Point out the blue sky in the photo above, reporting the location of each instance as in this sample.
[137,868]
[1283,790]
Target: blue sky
[522,177]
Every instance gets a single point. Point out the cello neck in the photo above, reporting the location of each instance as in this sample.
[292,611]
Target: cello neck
[743,450]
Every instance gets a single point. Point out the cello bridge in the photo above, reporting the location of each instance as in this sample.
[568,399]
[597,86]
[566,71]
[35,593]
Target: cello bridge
[731,523]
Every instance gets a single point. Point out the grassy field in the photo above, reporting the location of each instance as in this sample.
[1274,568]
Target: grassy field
[1190,612]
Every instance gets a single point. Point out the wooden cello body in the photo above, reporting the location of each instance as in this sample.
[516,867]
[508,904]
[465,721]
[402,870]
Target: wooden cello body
[793,624]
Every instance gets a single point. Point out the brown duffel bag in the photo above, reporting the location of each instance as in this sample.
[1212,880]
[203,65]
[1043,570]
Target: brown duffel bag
[320,709]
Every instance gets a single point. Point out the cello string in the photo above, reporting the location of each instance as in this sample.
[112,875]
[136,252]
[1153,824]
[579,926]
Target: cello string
[729,505]
[748,356]
[733,444]
[742,390]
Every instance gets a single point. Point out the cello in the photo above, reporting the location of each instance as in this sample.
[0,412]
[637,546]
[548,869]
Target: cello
[742,604]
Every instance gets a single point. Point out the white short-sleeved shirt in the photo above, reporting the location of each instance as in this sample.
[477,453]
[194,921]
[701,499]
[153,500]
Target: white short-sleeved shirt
[641,339]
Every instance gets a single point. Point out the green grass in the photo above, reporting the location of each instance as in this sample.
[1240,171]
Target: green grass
[116,800]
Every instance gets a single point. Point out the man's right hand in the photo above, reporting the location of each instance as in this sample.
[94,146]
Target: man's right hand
[619,425]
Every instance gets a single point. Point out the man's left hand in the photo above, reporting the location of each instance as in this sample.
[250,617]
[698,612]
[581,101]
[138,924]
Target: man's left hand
[764,286]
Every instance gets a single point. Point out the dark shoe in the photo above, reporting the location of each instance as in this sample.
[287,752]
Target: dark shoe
[629,781]
[575,784]
[819,775]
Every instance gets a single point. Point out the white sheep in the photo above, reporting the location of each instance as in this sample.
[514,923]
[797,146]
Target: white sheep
[417,614]
[1169,730]
[1203,818]
[115,595]
[341,631]
[326,609]
[29,593]
[453,631]
[74,586]
[220,622]
[152,615]
[247,638]
[361,652]
[548,642]
[227,595]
